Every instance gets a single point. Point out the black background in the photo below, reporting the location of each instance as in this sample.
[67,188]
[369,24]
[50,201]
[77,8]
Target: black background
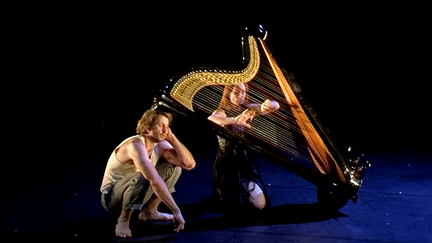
[84,75]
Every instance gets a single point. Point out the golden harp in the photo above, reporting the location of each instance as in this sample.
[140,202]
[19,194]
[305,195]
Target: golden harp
[292,136]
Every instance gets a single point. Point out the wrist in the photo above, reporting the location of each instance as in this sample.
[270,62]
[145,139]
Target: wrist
[171,138]
[234,120]
[176,210]
[174,142]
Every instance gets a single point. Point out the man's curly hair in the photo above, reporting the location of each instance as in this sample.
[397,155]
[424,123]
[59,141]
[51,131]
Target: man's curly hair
[149,119]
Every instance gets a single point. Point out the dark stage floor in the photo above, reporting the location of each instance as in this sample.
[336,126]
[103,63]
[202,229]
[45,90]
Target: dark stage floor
[395,205]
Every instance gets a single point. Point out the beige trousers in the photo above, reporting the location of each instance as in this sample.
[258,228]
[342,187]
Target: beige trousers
[134,191]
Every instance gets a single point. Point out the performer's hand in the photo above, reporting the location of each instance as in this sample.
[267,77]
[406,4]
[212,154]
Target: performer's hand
[179,222]
[245,117]
[269,106]
[170,136]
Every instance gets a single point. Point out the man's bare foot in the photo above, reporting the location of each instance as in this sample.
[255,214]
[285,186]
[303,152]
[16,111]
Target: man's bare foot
[144,216]
[123,230]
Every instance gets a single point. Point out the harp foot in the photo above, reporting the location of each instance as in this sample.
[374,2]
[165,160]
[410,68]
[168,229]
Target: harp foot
[358,164]
[332,196]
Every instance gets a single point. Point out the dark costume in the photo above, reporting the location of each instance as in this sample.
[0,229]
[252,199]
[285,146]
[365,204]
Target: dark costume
[234,168]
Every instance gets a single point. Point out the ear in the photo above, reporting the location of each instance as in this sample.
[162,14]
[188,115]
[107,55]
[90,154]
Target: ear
[147,132]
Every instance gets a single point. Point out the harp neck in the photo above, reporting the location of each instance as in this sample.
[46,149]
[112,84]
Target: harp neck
[187,86]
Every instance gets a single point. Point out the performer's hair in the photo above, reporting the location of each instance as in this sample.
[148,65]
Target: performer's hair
[225,103]
[149,119]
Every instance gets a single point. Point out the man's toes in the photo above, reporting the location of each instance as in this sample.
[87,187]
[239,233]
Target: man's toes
[124,234]
[166,216]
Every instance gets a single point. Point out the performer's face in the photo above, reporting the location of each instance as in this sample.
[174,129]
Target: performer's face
[238,94]
[159,131]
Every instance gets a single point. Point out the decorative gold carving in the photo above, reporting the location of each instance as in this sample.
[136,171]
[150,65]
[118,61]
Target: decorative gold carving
[186,87]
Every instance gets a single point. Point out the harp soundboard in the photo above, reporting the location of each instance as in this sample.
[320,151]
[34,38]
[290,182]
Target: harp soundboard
[292,136]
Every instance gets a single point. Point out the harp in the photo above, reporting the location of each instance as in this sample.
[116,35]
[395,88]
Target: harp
[292,136]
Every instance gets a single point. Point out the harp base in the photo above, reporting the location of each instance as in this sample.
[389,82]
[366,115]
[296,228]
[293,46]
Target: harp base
[333,196]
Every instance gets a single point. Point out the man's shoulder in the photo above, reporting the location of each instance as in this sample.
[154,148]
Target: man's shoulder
[131,142]
[135,141]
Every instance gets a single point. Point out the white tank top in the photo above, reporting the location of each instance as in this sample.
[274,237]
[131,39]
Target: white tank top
[116,171]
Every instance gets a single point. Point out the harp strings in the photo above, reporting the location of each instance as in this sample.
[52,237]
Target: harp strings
[320,154]
[278,128]
[288,129]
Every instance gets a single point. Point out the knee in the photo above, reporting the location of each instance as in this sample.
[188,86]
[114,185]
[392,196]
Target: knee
[169,173]
[174,174]
[173,171]
[177,171]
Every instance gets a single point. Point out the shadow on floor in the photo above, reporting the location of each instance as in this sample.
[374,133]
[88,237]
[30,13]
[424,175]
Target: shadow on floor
[199,217]
[205,216]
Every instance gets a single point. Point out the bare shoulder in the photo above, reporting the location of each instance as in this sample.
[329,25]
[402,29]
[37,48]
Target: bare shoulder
[136,140]
[130,148]
[131,142]
[136,143]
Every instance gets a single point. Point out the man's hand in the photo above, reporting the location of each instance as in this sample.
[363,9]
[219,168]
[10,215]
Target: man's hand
[179,222]
[179,155]
[170,136]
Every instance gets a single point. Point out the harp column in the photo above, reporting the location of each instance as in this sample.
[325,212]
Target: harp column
[320,154]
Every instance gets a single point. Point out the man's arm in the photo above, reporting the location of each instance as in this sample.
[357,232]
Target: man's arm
[138,153]
[179,155]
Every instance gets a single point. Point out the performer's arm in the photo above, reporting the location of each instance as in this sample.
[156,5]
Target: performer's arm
[265,108]
[179,155]
[219,117]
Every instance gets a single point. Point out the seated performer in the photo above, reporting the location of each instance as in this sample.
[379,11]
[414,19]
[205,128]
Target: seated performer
[142,172]
[237,181]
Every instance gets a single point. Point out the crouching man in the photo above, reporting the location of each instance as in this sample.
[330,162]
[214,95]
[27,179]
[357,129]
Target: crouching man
[142,172]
